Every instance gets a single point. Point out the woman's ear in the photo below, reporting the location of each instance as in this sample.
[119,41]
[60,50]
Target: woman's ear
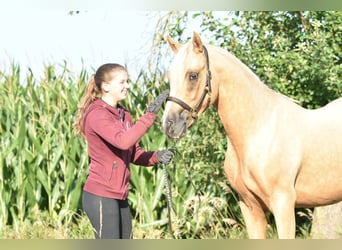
[105,87]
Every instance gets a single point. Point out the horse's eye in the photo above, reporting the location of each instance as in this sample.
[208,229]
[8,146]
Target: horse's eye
[193,76]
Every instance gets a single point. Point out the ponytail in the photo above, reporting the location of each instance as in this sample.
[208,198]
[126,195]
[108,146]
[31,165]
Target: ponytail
[92,93]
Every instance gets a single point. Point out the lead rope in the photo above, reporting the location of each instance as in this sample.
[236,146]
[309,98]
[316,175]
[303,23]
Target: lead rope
[171,212]
[172,216]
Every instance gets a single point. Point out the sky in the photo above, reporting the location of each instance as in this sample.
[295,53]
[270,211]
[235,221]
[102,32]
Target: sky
[38,32]
[89,38]
[36,37]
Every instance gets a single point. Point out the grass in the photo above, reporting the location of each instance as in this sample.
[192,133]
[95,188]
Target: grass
[79,227]
[44,227]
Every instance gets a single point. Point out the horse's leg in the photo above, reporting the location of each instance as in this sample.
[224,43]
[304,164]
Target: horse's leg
[255,219]
[282,206]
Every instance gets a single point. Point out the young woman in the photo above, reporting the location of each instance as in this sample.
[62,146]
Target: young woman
[113,143]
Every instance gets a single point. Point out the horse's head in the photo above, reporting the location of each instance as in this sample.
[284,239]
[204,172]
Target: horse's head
[190,87]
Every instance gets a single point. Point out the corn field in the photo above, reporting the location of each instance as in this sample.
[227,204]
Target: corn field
[44,164]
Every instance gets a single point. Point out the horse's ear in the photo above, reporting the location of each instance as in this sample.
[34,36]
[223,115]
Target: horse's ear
[197,43]
[173,44]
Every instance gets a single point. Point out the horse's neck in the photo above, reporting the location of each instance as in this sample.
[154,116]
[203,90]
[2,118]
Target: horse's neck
[242,99]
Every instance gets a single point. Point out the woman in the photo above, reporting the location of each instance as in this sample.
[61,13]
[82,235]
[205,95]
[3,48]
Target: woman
[112,145]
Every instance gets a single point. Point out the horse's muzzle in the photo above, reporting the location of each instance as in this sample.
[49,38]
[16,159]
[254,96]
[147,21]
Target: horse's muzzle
[175,126]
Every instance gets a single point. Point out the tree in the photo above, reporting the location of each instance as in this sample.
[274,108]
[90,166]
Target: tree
[296,53]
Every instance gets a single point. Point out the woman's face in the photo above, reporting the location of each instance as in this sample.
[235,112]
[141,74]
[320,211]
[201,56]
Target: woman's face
[117,88]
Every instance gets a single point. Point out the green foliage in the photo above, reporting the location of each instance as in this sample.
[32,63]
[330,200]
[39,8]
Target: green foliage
[205,203]
[43,162]
[42,226]
[296,53]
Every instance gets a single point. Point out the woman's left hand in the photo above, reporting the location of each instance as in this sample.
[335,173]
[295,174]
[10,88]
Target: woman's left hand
[165,156]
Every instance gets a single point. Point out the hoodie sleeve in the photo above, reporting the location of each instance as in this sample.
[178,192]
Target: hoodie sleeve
[144,158]
[111,130]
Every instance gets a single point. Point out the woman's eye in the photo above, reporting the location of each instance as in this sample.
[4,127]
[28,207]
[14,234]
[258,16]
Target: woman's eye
[193,76]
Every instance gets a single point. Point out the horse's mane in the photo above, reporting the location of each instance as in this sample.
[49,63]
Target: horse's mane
[232,55]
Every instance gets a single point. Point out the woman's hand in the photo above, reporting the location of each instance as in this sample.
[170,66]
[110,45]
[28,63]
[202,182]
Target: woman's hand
[155,107]
[165,156]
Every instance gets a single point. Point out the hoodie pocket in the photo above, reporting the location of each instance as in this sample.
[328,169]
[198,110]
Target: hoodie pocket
[114,166]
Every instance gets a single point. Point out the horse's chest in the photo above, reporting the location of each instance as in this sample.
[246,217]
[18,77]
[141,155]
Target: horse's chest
[237,175]
[245,179]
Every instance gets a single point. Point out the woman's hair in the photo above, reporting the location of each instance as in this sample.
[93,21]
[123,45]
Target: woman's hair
[94,91]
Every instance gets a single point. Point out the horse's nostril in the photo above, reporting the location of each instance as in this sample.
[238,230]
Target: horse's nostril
[170,123]
[170,127]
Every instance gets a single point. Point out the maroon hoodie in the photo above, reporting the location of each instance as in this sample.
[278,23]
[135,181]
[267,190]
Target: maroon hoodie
[112,145]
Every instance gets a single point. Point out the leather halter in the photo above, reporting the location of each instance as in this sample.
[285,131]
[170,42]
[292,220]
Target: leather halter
[207,91]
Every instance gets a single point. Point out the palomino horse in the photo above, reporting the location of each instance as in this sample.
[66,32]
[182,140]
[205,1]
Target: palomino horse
[280,155]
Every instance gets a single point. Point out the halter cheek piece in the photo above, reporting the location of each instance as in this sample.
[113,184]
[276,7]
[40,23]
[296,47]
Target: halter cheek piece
[207,91]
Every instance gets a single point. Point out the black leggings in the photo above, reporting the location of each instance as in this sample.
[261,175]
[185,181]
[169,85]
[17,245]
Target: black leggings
[110,218]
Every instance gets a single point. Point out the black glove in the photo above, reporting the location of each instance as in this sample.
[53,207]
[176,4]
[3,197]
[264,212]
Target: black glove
[154,107]
[165,156]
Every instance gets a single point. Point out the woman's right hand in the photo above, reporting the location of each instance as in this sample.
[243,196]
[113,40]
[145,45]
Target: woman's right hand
[156,105]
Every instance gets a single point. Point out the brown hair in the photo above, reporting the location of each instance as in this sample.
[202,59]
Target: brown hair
[94,91]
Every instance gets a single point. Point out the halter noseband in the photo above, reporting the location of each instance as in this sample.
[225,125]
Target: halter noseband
[207,91]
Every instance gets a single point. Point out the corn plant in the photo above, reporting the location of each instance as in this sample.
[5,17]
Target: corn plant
[43,163]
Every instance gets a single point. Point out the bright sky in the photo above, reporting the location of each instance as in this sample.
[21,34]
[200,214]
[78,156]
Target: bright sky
[91,38]
[33,37]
